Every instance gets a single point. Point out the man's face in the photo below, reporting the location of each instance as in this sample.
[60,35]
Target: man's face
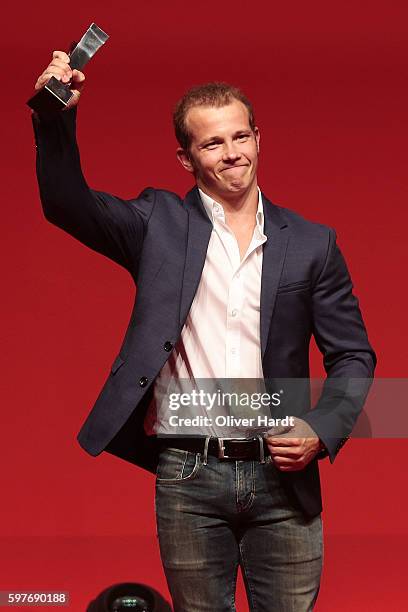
[223,154]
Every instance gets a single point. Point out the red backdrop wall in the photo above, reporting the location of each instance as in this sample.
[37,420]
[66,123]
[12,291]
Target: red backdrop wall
[328,82]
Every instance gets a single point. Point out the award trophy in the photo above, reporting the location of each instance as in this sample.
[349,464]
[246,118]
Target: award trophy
[54,96]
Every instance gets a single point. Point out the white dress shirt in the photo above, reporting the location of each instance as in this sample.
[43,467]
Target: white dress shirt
[221,336]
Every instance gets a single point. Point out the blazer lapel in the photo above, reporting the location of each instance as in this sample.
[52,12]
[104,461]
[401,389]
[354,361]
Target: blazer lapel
[199,232]
[274,251]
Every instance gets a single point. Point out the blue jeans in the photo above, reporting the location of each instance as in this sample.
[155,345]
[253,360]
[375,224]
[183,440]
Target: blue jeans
[217,515]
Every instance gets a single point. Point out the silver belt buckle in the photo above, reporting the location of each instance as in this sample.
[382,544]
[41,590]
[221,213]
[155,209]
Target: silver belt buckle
[221,447]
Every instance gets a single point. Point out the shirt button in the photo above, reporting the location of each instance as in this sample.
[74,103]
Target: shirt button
[216,209]
[143,381]
[234,313]
[167,346]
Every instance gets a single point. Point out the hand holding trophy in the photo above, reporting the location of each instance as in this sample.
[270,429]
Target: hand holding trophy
[60,69]
[60,85]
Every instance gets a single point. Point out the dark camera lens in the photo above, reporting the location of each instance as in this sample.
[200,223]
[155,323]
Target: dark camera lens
[130,602]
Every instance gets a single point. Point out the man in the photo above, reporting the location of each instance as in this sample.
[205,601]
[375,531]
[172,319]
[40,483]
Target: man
[229,286]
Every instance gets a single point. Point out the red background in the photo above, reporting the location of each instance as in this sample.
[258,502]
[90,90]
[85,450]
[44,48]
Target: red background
[328,82]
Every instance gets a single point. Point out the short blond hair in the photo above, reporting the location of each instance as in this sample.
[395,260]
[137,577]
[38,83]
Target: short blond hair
[210,94]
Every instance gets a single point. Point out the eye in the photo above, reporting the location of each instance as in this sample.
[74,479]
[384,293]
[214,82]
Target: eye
[211,145]
[243,137]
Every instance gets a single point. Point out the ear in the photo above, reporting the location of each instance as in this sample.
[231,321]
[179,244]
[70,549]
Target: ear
[257,137]
[185,160]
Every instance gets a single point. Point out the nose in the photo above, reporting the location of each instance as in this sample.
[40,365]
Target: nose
[230,153]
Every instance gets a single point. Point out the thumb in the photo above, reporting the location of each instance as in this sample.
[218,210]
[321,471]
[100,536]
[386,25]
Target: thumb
[278,430]
[78,79]
[77,83]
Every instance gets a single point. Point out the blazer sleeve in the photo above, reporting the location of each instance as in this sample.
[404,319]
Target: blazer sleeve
[348,357]
[107,224]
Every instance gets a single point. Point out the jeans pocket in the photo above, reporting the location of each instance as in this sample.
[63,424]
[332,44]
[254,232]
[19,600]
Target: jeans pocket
[176,466]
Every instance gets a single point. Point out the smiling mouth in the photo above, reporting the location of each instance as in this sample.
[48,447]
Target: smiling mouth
[234,167]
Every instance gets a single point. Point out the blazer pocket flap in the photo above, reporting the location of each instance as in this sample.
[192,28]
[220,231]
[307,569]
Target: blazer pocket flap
[297,286]
[117,363]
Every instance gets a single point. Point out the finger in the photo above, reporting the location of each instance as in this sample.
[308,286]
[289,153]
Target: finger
[45,77]
[64,72]
[284,461]
[61,72]
[60,64]
[288,451]
[61,55]
[78,76]
[288,465]
[54,71]
[290,468]
[283,441]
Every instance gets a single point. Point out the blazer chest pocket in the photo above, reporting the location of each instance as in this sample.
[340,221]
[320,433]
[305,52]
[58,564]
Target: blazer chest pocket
[294,287]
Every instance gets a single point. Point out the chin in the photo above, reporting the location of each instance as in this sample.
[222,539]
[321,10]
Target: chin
[237,186]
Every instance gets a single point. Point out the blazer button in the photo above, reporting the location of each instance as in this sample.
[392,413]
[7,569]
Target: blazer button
[143,381]
[168,346]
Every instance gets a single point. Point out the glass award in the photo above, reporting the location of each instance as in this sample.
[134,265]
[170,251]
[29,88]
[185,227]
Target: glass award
[55,95]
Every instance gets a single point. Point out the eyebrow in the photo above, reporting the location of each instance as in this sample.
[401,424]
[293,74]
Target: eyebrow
[212,138]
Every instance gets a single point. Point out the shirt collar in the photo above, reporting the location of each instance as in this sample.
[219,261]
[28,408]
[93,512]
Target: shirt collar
[215,211]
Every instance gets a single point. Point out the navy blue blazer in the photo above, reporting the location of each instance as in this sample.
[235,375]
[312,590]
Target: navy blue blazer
[162,240]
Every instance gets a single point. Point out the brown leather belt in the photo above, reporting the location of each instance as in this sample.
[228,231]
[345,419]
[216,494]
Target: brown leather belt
[222,448]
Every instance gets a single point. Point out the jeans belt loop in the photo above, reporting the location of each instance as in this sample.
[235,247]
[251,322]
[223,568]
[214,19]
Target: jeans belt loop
[261,450]
[205,453]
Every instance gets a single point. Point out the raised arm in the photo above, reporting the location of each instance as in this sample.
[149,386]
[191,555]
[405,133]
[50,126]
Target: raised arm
[105,223]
